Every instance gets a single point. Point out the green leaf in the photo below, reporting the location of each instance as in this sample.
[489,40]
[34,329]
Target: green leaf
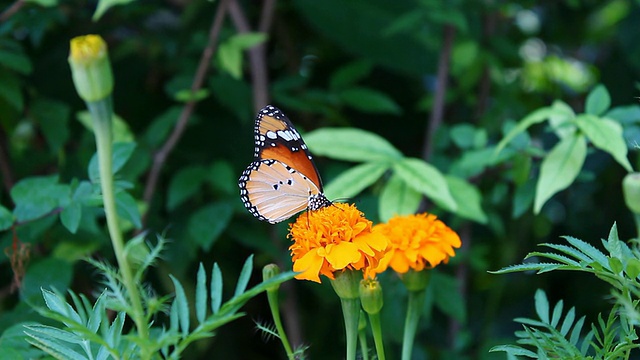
[37,196]
[560,168]
[468,199]
[181,305]
[542,306]
[13,57]
[351,145]
[230,52]
[349,74]
[127,208]
[46,274]
[53,347]
[70,217]
[353,181]
[397,198]
[120,155]
[201,294]
[463,135]
[523,198]
[207,223]
[10,90]
[562,119]
[369,101]
[216,288]
[185,184]
[248,40]
[598,101]
[535,117]
[633,268]
[186,95]
[605,134]
[245,275]
[44,3]
[6,218]
[104,5]
[121,131]
[557,314]
[426,179]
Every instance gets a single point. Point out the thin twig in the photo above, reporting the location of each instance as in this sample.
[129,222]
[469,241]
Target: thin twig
[12,9]
[161,155]
[442,83]
[257,54]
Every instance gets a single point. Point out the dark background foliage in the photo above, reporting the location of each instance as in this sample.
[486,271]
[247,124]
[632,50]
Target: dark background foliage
[366,64]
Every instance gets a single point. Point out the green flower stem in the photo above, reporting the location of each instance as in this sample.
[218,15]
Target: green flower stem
[351,313]
[416,302]
[101,113]
[364,349]
[272,297]
[374,319]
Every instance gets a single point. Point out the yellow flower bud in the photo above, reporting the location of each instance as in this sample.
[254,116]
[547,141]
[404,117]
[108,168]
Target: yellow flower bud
[90,67]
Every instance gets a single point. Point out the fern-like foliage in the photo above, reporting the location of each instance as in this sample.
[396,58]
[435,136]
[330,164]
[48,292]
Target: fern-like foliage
[86,331]
[554,336]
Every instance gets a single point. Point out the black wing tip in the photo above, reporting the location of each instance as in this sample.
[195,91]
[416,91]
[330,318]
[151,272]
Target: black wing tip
[272,111]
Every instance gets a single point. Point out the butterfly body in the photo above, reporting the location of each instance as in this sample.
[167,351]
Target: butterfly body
[282,180]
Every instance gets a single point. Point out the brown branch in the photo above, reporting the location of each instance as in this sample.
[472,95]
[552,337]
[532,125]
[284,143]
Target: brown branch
[161,155]
[257,54]
[442,83]
[11,10]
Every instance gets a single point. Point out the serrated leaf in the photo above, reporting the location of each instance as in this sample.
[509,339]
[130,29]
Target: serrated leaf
[351,182]
[70,217]
[589,250]
[542,306]
[606,135]
[182,306]
[397,198]
[201,294]
[351,144]
[560,168]
[467,198]
[514,351]
[598,101]
[369,101]
[245,275]
[52,347]
[426,179]
[216,288]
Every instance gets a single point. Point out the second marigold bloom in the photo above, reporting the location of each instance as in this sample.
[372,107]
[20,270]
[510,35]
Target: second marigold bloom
[417,242]
[334,238]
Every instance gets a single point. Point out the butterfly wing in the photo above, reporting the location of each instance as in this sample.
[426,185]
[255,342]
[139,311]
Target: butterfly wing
[276,138]
[273,191]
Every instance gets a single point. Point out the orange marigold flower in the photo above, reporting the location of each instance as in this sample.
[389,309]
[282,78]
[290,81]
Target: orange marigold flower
[334,238]
[417,242]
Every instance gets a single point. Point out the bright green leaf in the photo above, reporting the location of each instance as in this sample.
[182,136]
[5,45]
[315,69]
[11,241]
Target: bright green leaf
[104,5]
[633,268]
[351,145]
[463,135]
[187,95]
[207,223]
[397,198]
[70,217]
[561,119]
[230,59]
[353,181]
[598,101]
[201,294]
[468,198]
[247,40]
[535,117]
[181,305]
[369,101]
[36,196]
[560,168]
[605,134]
[426,179]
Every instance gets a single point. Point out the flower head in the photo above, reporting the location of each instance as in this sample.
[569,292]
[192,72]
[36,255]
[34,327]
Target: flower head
[417,242]
[90,67]
[332,239]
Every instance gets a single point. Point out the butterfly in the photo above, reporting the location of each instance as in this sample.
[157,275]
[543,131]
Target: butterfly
[282,180]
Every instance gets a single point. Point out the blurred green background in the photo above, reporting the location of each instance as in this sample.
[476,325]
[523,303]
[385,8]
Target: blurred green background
[365,64]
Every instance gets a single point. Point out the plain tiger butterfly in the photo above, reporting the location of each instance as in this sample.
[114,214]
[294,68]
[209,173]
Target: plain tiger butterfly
[282,180]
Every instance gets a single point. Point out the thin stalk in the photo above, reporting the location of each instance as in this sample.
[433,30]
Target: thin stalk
[351,312]
[101,112]
[376,329]
[364,348]
[272,297]
[636,218]
[414,310]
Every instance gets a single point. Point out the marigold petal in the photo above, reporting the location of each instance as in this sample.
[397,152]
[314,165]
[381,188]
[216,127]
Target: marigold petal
[342,254]
[309,264]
